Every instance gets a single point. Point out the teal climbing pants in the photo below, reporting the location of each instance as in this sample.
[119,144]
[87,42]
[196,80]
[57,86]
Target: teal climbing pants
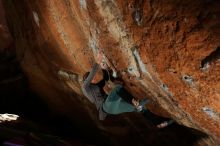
[114,104]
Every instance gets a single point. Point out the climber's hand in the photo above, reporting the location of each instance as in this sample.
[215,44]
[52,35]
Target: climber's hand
[135,102]
[103,65]
[99,57]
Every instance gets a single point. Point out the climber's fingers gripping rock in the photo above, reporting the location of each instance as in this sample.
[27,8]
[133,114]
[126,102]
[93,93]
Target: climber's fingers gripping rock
[101,60]
[99,57]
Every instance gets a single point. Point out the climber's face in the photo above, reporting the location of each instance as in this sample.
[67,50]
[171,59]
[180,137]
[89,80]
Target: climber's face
[98,77]
[95,79]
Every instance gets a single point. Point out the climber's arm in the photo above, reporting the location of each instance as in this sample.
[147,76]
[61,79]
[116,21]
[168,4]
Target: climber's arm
[91,74]
[94,70]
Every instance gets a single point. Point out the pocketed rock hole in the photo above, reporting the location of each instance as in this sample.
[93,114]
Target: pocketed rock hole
[188,79]
[210,59]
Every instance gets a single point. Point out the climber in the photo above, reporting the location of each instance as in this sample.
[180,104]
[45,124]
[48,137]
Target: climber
[117,102]
[114,104]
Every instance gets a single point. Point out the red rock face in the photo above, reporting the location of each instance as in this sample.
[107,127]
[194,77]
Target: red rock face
[165,50]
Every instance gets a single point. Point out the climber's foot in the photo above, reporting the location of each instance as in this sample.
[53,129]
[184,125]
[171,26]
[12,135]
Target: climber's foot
[165,124]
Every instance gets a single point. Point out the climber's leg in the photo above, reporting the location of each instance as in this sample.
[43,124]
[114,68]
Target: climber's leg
[114,104]
[144,102]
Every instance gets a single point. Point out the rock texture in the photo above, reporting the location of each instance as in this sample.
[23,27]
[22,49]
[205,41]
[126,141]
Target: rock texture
[5,37]
[164,50]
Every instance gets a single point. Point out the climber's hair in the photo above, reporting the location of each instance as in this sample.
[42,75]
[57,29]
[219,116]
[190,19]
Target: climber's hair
[85,76]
